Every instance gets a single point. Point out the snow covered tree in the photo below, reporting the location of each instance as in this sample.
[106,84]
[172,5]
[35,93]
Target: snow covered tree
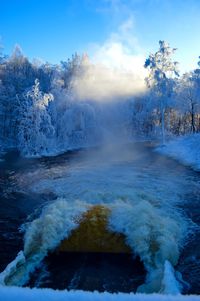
[162,71]
[16,75]
[36,131]
[188,98]
[69,70]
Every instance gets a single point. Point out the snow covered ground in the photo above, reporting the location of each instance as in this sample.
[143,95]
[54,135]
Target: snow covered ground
[185,149]
[24,294]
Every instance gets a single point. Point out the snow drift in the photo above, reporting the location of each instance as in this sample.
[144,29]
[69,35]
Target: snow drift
[185,149]
[24,294]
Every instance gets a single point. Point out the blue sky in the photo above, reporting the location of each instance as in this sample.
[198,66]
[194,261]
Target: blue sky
[54,29]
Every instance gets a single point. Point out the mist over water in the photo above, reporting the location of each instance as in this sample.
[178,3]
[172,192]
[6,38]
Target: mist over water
[103,83]
[102,93]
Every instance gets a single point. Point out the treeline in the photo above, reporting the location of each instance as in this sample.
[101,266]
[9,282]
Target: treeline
[172,104]
[37,109]
[40,115]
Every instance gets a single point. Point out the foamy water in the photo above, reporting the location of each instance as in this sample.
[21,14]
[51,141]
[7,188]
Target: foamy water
[143,198]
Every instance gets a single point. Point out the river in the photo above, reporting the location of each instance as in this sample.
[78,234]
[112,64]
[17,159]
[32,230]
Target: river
[147,192]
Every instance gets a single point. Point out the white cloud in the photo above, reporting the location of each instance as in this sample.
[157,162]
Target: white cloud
[117,70]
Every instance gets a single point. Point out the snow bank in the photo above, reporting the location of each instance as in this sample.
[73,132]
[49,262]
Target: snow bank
[185,149]
[24,294]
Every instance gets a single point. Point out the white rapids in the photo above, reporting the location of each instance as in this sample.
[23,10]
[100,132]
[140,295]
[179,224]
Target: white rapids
[142,200]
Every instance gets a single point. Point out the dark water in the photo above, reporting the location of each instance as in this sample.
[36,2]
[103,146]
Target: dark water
[90,272]
[27,185]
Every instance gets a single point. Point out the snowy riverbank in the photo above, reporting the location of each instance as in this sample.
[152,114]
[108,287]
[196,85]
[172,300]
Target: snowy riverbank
[185,149]
[24,294]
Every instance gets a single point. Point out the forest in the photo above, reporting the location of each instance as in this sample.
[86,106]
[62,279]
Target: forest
[44,110]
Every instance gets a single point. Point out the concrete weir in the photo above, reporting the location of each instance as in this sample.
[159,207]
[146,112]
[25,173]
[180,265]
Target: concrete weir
[94,235]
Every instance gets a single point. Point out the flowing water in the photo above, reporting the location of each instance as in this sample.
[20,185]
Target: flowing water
[154,203]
